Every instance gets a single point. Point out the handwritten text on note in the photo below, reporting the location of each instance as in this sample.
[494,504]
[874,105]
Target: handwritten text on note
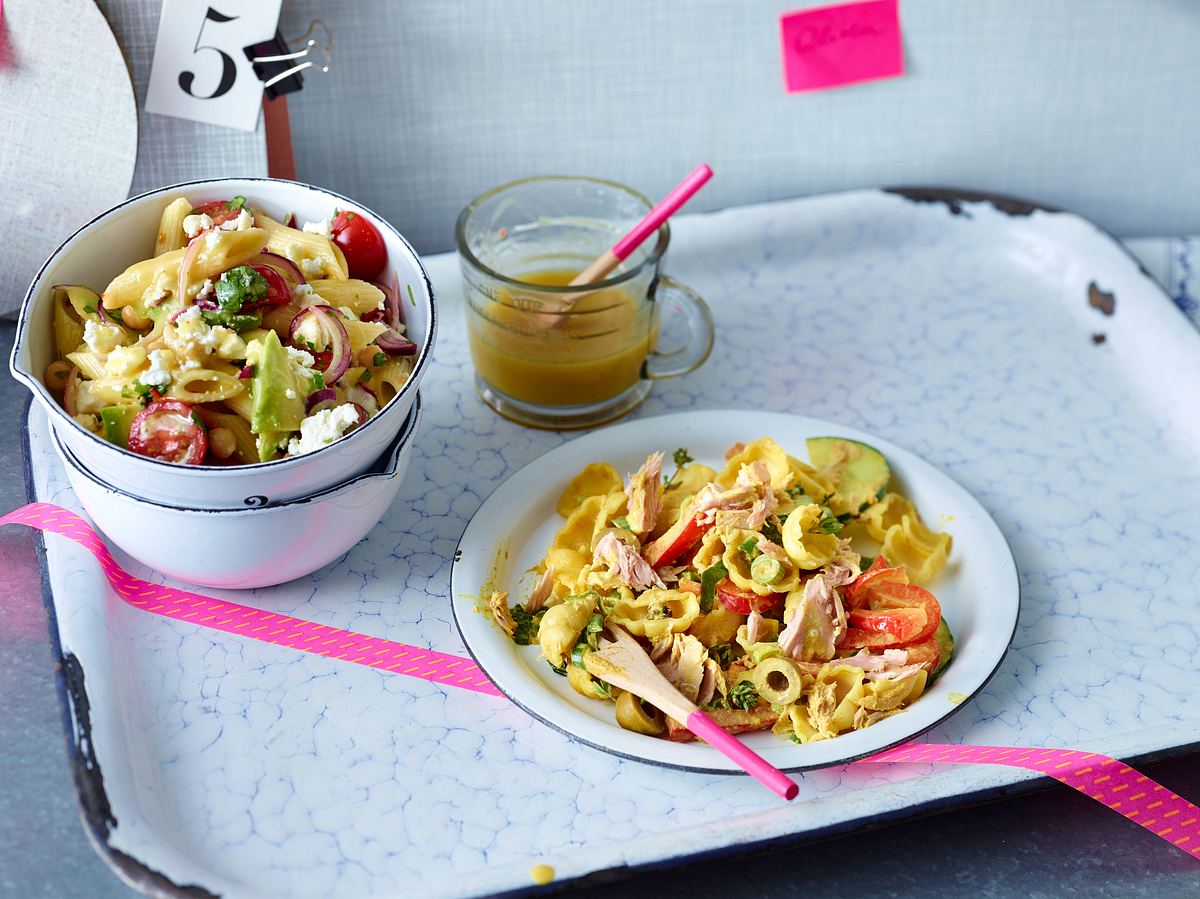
[833,46]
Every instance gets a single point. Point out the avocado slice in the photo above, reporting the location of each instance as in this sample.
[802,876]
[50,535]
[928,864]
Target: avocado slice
[278,396]
[860,473]
[116,421]
[945,641]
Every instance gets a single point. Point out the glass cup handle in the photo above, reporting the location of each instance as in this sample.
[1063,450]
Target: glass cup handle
[678,302]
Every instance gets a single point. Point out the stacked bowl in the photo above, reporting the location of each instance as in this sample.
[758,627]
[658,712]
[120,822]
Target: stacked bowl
[232,526]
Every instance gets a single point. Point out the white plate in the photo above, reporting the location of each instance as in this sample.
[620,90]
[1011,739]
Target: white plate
[509,534]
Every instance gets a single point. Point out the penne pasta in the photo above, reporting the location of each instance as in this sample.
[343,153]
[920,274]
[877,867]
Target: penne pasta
[170,227]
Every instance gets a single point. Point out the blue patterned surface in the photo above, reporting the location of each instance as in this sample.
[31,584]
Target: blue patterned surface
[968,338]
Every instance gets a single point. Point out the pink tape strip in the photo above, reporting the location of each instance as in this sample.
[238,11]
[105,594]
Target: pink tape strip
[245,621]
[1104,779]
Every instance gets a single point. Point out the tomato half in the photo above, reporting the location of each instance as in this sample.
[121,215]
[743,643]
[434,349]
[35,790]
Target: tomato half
[167,430]
[896,598]
[361,244]
[278,293]
[857,638]
[905,624]
[220,211]
[742,602]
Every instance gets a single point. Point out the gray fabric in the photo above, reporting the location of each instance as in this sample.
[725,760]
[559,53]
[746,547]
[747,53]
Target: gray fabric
[1087,104]
[169,149]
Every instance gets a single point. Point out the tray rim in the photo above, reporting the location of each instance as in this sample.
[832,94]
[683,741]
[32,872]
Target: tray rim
[137,874]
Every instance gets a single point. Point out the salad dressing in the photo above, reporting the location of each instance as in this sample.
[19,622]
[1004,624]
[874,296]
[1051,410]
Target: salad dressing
[596,355]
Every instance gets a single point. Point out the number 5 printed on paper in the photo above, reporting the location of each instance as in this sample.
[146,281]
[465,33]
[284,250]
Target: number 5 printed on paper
[200,70]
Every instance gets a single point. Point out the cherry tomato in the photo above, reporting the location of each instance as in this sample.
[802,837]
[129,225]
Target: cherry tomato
[897,598]
[682,536]
[926,652]
[361,243]
[743,603]
[905,625]
[857,591]
[857,638]
[220,211]
[278,293]
[167,430]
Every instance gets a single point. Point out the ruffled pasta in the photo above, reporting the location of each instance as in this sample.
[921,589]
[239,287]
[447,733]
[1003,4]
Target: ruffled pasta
[597,479]
[656,613]
[763,450]
[805,543]
[905,539]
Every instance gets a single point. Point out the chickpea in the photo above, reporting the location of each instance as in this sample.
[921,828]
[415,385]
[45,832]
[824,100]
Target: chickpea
[221,442]
[366,356]
[134,319]
[56,376]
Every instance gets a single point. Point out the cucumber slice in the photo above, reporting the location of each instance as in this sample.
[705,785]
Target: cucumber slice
[860,473]
[945,641]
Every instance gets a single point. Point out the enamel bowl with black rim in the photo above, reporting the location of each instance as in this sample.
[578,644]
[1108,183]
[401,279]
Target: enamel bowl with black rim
[123,235]
[509,534]
[244,548]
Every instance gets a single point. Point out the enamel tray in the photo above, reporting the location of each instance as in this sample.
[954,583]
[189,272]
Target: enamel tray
[1018,350]
[509,534]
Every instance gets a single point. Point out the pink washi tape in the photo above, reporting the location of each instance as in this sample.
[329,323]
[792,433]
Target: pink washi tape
[1104,779]
[282,630]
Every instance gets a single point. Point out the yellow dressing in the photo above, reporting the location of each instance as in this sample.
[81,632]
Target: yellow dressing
[541,874]
[597,354]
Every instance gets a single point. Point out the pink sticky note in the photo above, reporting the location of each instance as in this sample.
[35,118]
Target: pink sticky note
[836,45]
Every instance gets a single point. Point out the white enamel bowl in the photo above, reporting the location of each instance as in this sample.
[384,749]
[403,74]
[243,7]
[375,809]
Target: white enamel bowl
[246,548]
[105,246]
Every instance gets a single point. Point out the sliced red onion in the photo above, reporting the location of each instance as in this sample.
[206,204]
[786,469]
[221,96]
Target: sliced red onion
[174,315]
[290,221]
[246,373]
[287,269]
[335,332]
[101,313]
[362,415]
[69,391]
[395,344]
[325,398]
[363,397]
[374,316]
[208,305]
[185,265]
[391,303]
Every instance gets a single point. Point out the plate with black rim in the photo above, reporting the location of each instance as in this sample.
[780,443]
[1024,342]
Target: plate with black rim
[509,534]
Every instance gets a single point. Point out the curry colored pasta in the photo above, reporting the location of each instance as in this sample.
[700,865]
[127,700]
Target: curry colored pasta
[748,586]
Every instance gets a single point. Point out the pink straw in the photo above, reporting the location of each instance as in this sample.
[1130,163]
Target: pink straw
[653,220]
[666,208]
[745,757]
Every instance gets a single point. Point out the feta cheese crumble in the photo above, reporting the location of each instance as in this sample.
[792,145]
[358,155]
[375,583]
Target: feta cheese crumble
[101,338]
[243,221]
[322,428]
[312,268]
[211,240]
[321,228]
[305,295]
[124,361]
[159,374]
[194,224]
[206,289]
[300,357]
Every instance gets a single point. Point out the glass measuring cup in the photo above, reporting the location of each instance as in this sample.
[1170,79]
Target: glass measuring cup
[554,356]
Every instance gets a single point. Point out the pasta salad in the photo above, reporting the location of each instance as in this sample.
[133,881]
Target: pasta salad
[240,340]
[751,588]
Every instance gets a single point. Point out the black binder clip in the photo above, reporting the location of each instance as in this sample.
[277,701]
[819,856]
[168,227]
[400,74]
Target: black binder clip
[279,67]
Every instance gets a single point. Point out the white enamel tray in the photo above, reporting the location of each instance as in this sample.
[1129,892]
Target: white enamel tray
[963,329]
[509,534]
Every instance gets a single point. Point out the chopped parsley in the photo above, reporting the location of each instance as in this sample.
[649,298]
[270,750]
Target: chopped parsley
[365,376]
[743,695]
[622,523]
[350,216]
[682,457]
[829,523]
[560,669]
[771,532]
[723,653]
[708,585]
[239,286]
[526,630]
[378,359]
[749,546]
[89,309]
[237,202]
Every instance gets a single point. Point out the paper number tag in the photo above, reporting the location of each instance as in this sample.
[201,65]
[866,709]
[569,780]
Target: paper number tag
[200,70]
